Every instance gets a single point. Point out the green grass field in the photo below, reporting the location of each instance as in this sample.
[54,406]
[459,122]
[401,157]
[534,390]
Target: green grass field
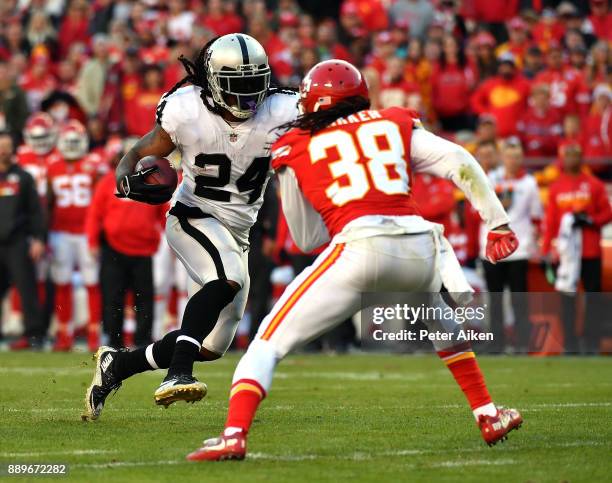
[359,417]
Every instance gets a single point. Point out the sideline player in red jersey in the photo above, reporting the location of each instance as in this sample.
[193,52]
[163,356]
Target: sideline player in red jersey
[71,179]
[344,173]
[40,134]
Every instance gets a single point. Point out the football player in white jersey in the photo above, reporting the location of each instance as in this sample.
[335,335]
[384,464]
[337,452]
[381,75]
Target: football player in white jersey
[223,124]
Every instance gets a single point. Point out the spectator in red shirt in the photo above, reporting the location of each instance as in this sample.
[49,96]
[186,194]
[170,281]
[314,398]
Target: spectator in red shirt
[598,124]
[503,96]
[601,59]
[74,27]
[221,17]
[13,40]
[434,197]
[395,89]
[125,235]
[140,109]
[38,81]
[568,89]
[533,62]
[540,126]
[484,61]
[572,132]
[372,13]
[327,42]
[383,51]
[578,59]
[585,197]
[452,83]
[494,11]
[174,70]
[518,43]
[548,28]
[601,19]
[67,76]
[487,155]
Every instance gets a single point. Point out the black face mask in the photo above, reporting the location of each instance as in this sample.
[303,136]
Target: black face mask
[244,92]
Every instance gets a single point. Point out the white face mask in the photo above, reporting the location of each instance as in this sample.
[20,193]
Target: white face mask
[60,112]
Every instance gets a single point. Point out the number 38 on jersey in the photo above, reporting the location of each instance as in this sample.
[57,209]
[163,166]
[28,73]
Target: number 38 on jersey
[371,157]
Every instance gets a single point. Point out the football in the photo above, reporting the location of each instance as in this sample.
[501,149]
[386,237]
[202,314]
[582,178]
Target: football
[165,174]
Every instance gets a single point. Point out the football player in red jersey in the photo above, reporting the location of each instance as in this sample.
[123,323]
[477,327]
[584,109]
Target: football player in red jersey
[40,134]
[345,174]
[71,179]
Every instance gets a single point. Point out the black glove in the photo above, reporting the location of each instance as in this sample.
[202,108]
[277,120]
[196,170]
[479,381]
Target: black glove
[134,187]
[581,219]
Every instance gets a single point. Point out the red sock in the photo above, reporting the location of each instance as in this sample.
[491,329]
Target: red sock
[245,396]
[461,361]
[63,306]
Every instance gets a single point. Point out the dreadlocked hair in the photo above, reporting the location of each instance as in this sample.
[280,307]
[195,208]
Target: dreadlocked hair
[319,120]
[197,75]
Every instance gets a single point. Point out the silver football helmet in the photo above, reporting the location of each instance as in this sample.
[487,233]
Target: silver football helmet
[238,74]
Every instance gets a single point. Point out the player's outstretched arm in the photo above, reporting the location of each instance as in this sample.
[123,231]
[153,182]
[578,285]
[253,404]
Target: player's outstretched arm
[437,156]
[157,143]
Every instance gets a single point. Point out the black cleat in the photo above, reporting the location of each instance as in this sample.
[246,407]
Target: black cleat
[104,382]
[179,388]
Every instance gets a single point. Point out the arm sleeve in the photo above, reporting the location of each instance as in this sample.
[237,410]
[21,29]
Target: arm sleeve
[36,223]
[437,156]
[305,225]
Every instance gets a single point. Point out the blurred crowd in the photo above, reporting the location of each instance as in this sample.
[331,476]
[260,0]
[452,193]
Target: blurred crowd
[525,86]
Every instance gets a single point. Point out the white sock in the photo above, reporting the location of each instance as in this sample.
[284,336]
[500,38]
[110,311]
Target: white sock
[487,410]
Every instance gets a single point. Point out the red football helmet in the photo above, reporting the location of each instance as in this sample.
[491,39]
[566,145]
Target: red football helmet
[40,133]
[328,83]
[73,141]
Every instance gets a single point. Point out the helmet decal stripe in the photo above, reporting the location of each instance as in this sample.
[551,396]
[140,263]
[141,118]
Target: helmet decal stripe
[244,49]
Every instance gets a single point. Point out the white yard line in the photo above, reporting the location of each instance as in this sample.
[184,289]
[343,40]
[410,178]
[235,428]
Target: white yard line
[460,463]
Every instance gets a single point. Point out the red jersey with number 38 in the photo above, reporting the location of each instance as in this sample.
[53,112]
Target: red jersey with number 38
[357,166]
[71,184]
